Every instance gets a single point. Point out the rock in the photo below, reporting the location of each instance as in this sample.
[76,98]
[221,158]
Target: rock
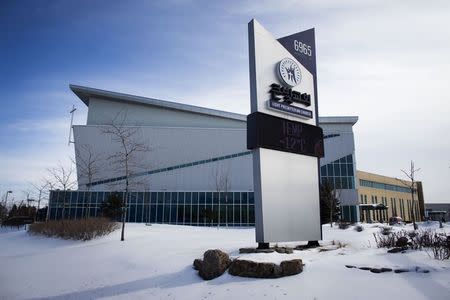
[401,270]
[402,242]
[350,266]
[386,270]
[397,250]
[246,268]
[197,264]
[375,270]
[291,267]
[289,250]
[247,250]
[286,250]
[365,268]
[214,264]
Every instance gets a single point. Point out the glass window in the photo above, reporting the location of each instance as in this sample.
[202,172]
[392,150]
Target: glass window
[237,215]
[343,170]
[323,171]
[202,198]
[343,160]
[174,198]
[251,198]
[187,198]
[194,219]
[210,196]
[223,198]
[330,171]
[350,158]
[237,198]
[139,212]
[180,198]
[344,183]
[160,198]
[244,198]
[187,214]
[152,213]
[350,170]
[194,198]
[251,214]
[337,170]
[159,212]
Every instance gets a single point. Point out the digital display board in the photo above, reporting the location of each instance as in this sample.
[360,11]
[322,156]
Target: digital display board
[270,132]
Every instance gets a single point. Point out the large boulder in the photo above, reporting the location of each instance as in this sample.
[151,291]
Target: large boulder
[214,263]
[291,267]
[247,268]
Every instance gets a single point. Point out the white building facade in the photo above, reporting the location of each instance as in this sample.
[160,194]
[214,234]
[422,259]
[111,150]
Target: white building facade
[195,168]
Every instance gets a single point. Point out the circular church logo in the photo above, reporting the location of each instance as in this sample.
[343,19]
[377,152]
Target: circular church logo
[289,72]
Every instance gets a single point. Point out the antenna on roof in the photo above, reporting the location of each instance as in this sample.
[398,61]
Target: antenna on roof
[72,112]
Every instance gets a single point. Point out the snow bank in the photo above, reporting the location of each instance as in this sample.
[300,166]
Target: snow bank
[155,262]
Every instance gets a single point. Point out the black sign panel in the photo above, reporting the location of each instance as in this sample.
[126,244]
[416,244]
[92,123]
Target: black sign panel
[266,131]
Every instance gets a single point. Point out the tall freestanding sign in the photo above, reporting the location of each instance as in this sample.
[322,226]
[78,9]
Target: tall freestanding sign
[283,133]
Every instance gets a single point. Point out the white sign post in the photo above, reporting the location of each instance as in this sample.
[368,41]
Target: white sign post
[286,181]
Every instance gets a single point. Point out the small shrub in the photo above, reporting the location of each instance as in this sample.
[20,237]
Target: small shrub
[81,229]
[359,228]
[437,243]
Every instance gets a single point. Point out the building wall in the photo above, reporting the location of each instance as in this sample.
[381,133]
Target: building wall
[191,149]
[378,189]
[437,211]
[104,111]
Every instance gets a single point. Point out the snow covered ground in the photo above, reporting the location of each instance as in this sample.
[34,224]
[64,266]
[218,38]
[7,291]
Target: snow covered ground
[155,262]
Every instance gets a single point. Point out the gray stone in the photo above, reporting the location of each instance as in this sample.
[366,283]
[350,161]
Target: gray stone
[350,266]
[365,268]
[197,264]
[397,250]
[214,264]
[401,270]
[247,268]
[291,267]
[386,270]
[375,270]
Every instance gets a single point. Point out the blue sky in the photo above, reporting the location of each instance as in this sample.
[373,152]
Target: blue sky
[386,62]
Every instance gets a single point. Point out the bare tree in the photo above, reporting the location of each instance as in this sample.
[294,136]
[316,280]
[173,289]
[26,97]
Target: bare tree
[221,181]
[411,185]
[87,162]
[127,159]
[41,190]
[62,178]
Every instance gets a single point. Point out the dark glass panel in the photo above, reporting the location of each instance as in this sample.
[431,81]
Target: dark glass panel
[337,170]
[350,170]
[230,214]
[244,199]
[139,212]
[244,214]
[140,198]
[251,214]
[210,196]
[194,219]
[153,209]
[330,171]
[323,171]
[202,198]
[251,198]
[237,214]
[237,198]
[160,197]
[194,198]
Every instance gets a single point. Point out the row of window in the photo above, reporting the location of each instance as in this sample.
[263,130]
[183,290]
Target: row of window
[405,212]
[339,173]
[383,186]
[182,208]
[181,166]
[73,198]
